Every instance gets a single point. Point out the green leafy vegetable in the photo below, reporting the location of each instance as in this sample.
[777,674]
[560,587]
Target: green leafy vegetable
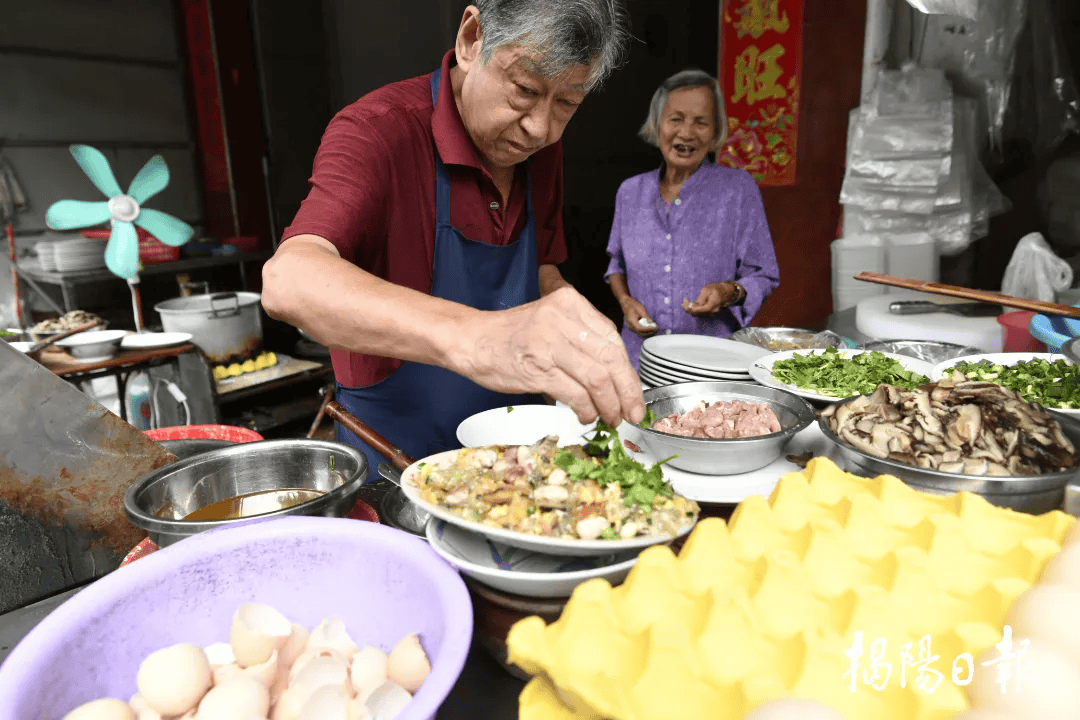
[830,373]
[640,485]
[331,463]
[1051,384]
[648,420]
[8,334]
[609,534]
[510,409]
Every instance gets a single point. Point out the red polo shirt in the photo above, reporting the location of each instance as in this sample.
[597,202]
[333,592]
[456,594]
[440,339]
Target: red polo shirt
[373,194]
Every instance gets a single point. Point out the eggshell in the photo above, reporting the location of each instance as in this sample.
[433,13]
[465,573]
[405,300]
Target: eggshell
[326,703]
[142,708]
[1063,568]
[266,672]
[294,646]
[256,632]
[103,709]
[322,671]
[388,700]
[219,654]
[367,671]
[174,679]
[224,673]
[358,710]
[1050,614]
[331,634]
[794,709]
[1048,689]
[407,664]
[291,702]
[241,698]
[306,657]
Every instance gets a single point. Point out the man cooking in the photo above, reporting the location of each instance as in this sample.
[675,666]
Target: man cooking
[425,253]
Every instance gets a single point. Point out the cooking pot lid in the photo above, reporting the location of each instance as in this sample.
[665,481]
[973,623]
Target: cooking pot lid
[208,303]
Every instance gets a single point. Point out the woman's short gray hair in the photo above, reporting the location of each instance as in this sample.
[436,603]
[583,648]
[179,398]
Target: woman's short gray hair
[650,131]
[562,33]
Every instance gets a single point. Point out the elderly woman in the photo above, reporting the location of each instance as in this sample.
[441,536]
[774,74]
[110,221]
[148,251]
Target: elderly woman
[690,229]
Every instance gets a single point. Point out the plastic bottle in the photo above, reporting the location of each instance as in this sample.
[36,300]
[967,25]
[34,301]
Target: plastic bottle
[137,399]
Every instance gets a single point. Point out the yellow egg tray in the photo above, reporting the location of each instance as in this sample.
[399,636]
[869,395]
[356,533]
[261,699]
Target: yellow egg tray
[263,361]
[863,594]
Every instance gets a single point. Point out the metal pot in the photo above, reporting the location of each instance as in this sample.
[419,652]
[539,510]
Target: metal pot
[223,325]
[159,501]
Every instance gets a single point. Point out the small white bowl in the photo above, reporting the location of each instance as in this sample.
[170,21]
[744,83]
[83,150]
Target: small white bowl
[523,572]
[93,345]
[522,425]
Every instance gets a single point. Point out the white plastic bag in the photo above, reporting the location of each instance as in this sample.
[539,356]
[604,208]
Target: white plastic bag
[1035,272]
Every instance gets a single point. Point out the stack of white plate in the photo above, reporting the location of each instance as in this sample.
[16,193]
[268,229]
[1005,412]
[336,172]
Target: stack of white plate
[79,254]
[46,256]
[670,359]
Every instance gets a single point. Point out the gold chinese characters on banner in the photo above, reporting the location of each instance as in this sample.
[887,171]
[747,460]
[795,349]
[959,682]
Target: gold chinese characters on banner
[760,64]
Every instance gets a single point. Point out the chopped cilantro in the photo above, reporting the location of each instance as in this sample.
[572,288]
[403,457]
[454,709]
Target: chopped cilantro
[830,373]
[640,485]
[648,420]
[331,463]
[532,510]
[510,408]
[609,534]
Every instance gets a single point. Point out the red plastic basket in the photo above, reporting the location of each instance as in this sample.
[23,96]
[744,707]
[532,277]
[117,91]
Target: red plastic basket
[231,433]
[151,250]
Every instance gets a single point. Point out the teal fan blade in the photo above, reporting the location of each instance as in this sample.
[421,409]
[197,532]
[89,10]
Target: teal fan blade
[122,252]
[68,214]
[97,169]
[165,228]
[151,179]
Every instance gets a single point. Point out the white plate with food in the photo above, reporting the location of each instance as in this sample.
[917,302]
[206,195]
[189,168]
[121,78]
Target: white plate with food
[145,340]
[490,490]
[860,377]
[523,572]
[1029,374]
[704,352]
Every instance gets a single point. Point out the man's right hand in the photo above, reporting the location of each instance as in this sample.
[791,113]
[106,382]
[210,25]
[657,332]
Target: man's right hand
[559,345]
[637,318]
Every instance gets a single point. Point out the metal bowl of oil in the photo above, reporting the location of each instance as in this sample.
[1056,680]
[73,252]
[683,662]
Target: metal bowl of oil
[247,481]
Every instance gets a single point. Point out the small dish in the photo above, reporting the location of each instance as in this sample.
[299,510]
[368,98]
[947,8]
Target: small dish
[93,345]
[523,572]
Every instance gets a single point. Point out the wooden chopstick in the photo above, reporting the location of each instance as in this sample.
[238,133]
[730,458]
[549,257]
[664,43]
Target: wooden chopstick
[1046,308]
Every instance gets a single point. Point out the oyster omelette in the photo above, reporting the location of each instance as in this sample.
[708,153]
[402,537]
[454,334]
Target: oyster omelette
[566,493]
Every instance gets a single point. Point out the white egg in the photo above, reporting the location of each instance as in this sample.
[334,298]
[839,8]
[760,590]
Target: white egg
[331,634]
[407,664]
[1043,684]
[142,708]
[1063,568]
[1050,614]
[388,700]
[103,709]
[219,654]
[242,698]
[794,709]
[256,632]
[174,679]
[367,671]
[326,703]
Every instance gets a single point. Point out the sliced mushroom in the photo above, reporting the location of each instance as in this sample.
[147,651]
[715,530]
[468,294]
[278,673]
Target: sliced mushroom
[975,466]
[862,443]
[953,467]
[968,423]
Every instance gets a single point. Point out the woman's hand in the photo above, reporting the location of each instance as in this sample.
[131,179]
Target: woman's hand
[635,314]
[712,299]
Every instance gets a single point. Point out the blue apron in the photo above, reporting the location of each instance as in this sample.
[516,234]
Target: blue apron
[418,407]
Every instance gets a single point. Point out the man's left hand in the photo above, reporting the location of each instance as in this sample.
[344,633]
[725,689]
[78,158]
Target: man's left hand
[712,299]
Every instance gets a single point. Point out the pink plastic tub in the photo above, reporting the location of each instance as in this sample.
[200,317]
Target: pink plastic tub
[1015,336]
[385,584]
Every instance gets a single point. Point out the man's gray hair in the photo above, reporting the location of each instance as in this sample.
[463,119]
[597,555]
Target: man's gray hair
[593,33]
[650,131]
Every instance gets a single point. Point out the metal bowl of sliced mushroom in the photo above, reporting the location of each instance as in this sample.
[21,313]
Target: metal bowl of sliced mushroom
[956,436]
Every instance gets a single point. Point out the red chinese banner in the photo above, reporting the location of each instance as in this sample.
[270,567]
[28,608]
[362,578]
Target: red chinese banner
[760,66]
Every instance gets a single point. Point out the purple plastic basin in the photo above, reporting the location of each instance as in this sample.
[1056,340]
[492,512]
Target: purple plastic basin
[385,584]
